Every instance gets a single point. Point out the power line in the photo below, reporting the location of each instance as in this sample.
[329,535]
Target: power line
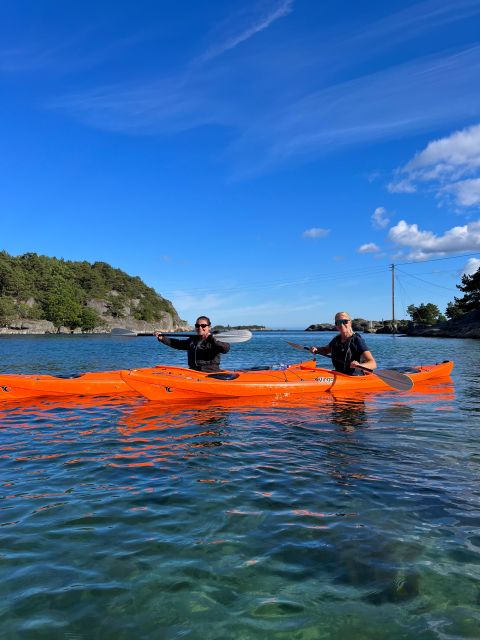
[318,277]
[311,279]
[410,275]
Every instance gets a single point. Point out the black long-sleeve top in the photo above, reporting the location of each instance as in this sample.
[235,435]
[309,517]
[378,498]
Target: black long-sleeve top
[203,354]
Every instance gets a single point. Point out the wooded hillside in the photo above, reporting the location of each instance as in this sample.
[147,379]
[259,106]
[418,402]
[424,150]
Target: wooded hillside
[75,295]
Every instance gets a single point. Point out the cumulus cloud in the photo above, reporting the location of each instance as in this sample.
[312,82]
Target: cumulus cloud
[466,192]
[402,186]
[380,218]
[455,153]
[369,247]
[472,266]
[426,244]
[449,166]
[315,232]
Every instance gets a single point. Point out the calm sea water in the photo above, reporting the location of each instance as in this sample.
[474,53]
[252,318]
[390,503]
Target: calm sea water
[353,518]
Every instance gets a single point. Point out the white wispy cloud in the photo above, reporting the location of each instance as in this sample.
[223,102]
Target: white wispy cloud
[66,54]
[276,308]
[256,19]
[449,166]
[188,303]
[165,107]
[369,247]
[314,116]
[380,218]
[414,21]
[315,232]
[426,244]
[194,97]
[369,108]
[238,309]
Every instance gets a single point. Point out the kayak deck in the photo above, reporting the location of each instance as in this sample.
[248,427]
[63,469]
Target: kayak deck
[174,383]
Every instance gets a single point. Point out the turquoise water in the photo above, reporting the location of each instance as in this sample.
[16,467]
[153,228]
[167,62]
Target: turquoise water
[332,517]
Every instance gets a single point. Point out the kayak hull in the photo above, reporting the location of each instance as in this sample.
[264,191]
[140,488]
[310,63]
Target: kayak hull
[101,383]
[96,383]
[167,384]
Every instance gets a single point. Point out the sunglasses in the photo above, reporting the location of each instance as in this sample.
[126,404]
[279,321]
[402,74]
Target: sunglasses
[201,324]
[340,322]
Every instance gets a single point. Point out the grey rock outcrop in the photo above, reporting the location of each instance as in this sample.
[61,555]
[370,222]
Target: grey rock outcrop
[358,324]
[466,326]
[168,322]
[321,327]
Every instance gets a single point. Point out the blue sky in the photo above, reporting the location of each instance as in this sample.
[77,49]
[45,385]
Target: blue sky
[263,161]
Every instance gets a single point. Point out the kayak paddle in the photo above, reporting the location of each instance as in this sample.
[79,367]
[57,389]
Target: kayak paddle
[394,379]
[232,337]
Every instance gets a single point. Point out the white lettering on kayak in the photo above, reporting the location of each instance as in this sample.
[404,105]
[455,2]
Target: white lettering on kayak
[325,380]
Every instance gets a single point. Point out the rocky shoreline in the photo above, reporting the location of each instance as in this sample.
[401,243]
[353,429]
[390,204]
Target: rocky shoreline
[45,327]
[466,326]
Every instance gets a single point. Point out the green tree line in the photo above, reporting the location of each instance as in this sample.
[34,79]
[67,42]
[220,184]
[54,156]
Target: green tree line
[43,288]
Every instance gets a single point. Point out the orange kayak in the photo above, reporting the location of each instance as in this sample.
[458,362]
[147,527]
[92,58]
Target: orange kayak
[174,383]
[101,383]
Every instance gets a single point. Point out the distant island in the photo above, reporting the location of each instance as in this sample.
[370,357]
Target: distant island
[39,294]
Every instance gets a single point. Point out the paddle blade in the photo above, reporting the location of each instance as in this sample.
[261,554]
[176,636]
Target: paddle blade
[234,336]
[394,379]
[121,332]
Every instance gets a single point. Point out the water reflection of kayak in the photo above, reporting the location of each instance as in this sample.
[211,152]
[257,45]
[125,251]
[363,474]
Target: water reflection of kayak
[347,409]
[136,414]
[169,384]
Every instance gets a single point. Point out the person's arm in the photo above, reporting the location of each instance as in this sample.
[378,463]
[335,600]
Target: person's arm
[326,350]
[172,342]
[367,360]
[222,347]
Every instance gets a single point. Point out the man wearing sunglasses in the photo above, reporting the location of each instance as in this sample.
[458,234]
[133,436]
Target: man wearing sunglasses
[348,349]
[203,349]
